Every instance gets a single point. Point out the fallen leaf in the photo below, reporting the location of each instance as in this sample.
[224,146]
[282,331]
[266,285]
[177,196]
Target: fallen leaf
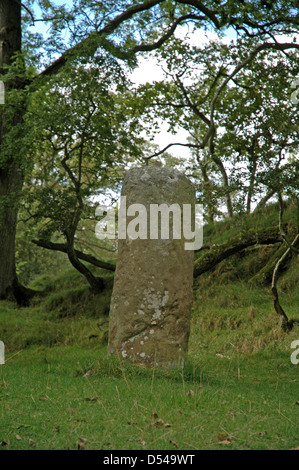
[142,442]
[81,443]
[225,442]
[175,444]
[80,446]
[190,393]
[92,399]
[88,373]
[224,439]
[18,437]
[43,398]
[160,422]
[155,416]
[31,442]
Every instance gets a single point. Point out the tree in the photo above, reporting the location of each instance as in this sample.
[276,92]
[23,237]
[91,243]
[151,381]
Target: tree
[145,27]
[82,139]
[235,148]
[260,137]
[11,171]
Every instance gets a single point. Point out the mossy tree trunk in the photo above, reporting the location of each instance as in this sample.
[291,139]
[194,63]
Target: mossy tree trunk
[11,177]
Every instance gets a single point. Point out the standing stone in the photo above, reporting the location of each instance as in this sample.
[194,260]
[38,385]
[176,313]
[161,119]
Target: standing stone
[152,294]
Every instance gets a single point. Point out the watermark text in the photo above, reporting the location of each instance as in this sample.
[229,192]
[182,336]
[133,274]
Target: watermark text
[295,354]
[2,353]
[2,92]
[160,221]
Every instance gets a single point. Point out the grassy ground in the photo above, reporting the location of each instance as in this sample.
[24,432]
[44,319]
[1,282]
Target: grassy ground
[239,390]
[66,397]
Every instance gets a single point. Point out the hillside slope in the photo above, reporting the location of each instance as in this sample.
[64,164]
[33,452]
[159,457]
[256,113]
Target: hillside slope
[226,300]
[239,389]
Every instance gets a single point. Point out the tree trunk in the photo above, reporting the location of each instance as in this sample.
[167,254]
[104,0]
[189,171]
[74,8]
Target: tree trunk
[286,324]
[250,192]
[225,179]
[11,178]
[97,285]
[207,189]
[262,203]
[10,185]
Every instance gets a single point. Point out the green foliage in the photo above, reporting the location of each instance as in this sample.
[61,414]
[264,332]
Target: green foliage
[80,129]
[82,138]
[254,145]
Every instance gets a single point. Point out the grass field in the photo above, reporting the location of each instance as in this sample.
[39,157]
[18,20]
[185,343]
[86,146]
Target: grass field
[60,390]
[239,389]
[70,397]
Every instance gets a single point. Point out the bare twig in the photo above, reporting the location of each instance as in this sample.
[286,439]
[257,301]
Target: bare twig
[156,154]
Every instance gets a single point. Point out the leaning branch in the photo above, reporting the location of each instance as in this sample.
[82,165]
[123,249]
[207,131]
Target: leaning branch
[85,257]
[219,253]
[206,11]
[113,24]
[166,36]
[110,27]
[156,154]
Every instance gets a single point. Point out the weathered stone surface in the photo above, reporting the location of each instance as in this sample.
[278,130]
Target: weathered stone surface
[152,294]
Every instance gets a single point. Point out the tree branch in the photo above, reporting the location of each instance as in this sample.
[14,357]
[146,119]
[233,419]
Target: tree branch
[165,37]
[206,11]
[190,104]
[27,9]
[85,257]
[171,145]
[219,253]
[113,24]
[103,33]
